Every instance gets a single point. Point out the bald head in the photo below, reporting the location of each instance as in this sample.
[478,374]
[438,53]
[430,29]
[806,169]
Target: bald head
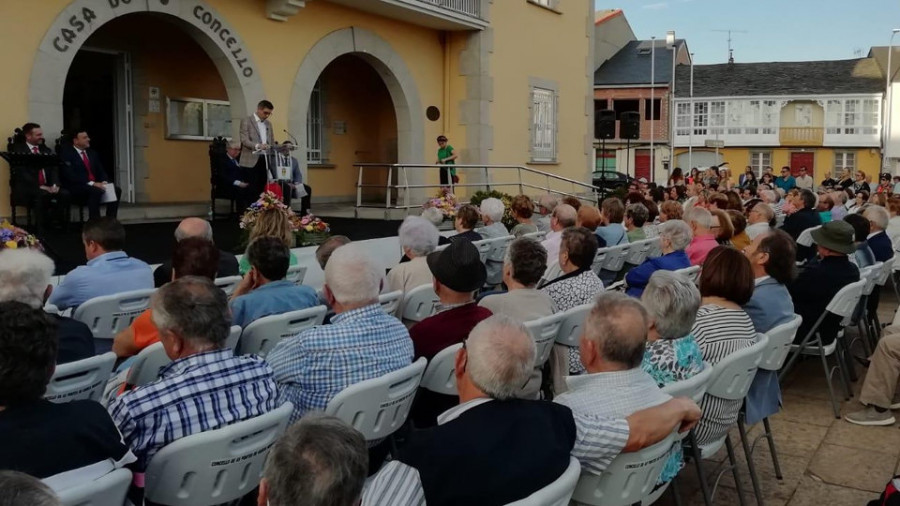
[615,333]
[193,227]
[564,216]
[547,203]
[500,357]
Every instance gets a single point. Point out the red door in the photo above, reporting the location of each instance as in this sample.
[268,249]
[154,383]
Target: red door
[803,159]
[642,164]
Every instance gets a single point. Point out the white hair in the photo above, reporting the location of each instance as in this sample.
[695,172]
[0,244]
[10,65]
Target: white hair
[698,215]
[765,210]
[434,215]
[24,276]
[677,232]
[419,235]
[769,196]
[672,301]
[877,215]
[352,276]
[500,356]
[492,208]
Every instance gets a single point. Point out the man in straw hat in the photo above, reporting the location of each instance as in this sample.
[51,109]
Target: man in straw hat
[817,285]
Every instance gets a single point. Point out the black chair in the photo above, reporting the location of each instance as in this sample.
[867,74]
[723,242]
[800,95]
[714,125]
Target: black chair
[65,140]
[216,154]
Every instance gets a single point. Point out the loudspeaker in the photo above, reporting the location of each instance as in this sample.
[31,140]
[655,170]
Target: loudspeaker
[605,124]
[630,125]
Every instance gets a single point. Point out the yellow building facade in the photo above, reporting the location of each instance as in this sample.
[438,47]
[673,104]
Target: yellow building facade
[352,81]
[827,161]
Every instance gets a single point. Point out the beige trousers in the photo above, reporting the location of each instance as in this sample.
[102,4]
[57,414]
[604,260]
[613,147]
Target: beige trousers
[884,371]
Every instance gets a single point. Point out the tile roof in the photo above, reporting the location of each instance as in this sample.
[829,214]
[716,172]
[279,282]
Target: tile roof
[631,65]
[603,16]
[828,77]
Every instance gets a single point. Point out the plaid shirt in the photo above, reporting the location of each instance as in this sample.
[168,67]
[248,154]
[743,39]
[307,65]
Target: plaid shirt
[314,366]
[194,394]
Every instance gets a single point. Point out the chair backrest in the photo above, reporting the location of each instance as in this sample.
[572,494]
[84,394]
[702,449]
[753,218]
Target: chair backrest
[83,379]
[572,322]
[628,479]
[108,490]
[870,275]
[615,257]
[484,249]
[537,236]
[108,315]
[692,273]
[419,303]
[544,331]
[146,366]
[844,302]
[234,336]
[780,340]
[296,274]
[379,406]
[498,247]
[228,284]
[599,260]
[440,374]
[693,387]
[639,251]
[805,237]
[553,271]
[557,493]
[886,270]
[390,302]
[655,247]
[732,376]
[216,466]
[262,335]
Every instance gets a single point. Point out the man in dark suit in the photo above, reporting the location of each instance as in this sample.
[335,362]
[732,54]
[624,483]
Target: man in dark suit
[39,188]
[230,175]
[878,239]
[804,218]
[256,134]
[83,176]
[195,227]
[817,284]
[494,449]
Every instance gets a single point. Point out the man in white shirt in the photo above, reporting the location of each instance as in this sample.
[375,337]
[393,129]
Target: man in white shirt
[257,134]
[563,216]
[804,181]
[759,219]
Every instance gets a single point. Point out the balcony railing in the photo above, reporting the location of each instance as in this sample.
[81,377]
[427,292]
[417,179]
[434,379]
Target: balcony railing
[467,7]
[801,136]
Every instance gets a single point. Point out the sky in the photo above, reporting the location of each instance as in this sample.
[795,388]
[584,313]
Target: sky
[776,30]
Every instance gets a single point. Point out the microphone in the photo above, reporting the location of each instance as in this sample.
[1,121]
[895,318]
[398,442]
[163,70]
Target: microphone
[292,138]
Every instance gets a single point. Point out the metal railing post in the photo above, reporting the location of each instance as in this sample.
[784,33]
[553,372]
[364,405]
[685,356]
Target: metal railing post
[519,172]
[358,192]
[406,181]
[387,202]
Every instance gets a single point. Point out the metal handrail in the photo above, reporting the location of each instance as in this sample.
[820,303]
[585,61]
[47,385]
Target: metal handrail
[487,184]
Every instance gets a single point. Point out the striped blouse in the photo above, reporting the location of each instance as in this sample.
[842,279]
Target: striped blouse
[720,331]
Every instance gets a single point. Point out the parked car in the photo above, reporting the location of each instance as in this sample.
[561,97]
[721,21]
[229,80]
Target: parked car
[610,180]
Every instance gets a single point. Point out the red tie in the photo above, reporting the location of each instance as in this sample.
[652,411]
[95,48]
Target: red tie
[87,165]
[42,181]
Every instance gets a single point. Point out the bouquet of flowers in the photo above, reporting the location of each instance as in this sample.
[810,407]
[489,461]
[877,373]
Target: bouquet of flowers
[14,237]
[445,202]
[312,230]
[267,200]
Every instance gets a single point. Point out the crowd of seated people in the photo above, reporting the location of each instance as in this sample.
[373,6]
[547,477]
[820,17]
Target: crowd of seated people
[658,328]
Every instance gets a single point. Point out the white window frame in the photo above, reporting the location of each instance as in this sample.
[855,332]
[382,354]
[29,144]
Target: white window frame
[205,103]
[852,116]
[683,118]
[843,160]
[701,118]
[717,118]
[544,124]
[759,160]
[315,126]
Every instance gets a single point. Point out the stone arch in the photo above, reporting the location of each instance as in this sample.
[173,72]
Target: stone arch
[393,71]
[81,18]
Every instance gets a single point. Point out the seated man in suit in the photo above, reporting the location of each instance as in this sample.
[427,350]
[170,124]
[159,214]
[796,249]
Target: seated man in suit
[296,188]
[499,449]
[805,217]
[230,175]
[39,189]
[83,176]
[196,227]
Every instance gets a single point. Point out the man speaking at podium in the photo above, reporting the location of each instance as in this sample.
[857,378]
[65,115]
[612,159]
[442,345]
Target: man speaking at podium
[256,134]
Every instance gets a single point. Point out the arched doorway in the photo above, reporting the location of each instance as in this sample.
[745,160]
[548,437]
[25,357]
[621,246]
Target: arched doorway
[362,46]
[85,22]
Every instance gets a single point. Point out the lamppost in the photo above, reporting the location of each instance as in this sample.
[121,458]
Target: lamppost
[691,134]
[889,97]
[652,103]
[670,43]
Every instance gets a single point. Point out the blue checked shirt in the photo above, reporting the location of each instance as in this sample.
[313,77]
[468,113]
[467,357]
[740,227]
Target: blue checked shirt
[314,366]
[194,394]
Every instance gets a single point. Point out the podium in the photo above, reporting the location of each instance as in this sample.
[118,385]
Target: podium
[24,162]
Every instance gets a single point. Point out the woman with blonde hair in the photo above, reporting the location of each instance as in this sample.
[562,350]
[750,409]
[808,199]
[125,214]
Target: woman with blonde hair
[273,222]
[725,183]
[721,226]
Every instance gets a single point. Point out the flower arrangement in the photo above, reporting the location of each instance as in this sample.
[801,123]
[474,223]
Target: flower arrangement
[308,230]
[14,238]
[445,202]
[508,219]
[312,230]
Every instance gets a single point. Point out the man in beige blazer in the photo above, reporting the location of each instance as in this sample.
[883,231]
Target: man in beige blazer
[256,134]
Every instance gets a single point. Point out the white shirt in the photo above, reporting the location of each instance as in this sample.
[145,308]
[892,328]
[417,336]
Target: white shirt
[754,229]
[804,182]
[81,154]
[263,131]
[551,244]
[760,279]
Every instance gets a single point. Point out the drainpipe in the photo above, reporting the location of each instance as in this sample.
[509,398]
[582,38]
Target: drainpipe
[446,100]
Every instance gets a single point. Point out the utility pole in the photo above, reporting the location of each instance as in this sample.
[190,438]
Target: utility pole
[729,31]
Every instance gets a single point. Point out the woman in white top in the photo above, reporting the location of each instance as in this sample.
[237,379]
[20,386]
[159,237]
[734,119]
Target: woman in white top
[722,328]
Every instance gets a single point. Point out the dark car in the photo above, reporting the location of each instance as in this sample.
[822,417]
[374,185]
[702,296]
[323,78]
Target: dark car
[610,180]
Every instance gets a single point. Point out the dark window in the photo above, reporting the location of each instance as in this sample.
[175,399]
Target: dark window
[600,105]
[657,108]
[621,106]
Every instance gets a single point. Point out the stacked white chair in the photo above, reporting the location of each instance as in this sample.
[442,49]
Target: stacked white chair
[391,301]
[419,303]
[228,284]
[217,466]
[108,315]
[108,490]
[557,493]
[81,380]
[262,335]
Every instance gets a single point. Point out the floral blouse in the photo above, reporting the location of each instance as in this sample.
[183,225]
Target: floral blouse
[671,360]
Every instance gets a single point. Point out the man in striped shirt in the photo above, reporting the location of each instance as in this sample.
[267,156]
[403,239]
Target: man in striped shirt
[493,449]
[205,387]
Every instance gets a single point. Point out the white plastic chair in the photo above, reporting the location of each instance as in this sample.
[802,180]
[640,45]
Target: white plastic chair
[638,252]
[628,479]
[544,331]
[599,260]
[390,302]
[262,335]
[296,274]
[693,387]
[805,237]
[484,249]
[572,322]
[440,375]
[234,336]
[692,273]
[615,257]
[537,236]
[146,366]
[228,284]
[553,271]
[419,303]
[557,493]
[655,247]
[108,490]
[379,406]
[83,379]
[108,315]
[216,466]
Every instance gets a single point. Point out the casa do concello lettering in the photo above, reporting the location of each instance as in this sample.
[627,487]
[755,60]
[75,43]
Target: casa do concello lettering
[78,22]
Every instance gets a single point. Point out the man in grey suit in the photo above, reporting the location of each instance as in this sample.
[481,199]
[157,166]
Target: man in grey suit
[256,134]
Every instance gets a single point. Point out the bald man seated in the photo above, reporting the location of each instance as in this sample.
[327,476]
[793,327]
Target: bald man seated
[196,227]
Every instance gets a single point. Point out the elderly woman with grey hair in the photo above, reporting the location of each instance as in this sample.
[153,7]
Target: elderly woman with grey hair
[674,237]
[492,210]
[418,237]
